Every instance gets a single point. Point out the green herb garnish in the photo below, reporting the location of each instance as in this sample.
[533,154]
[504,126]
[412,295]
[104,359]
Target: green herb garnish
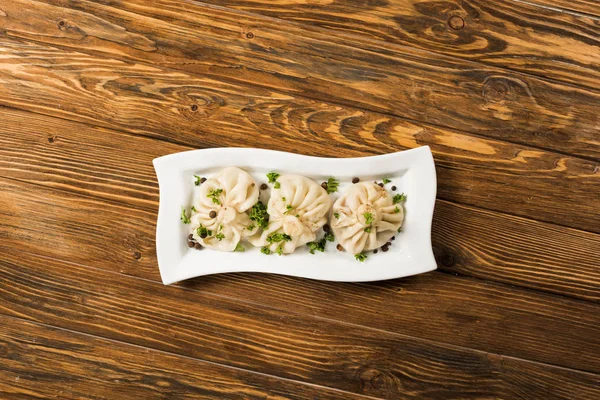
[240,248]
[283,198]
[197,181]
[220,236]
[203,232]
[332,185]
[336,215]
[278,237]
[368,218]
[396,210]
[251,227]
[321,244]
[316,246]
[288,208]
[194,209]
[368,229]
[265,250]
[214,195]
[386,181]
[297,215]
[272,176]
[360,257]
[280,249]
[277,185]
[399,198]
[184,216]
[259,214]
[399,229]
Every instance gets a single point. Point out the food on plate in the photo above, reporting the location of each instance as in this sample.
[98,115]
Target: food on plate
[297,209]
[366,217]
[219,217]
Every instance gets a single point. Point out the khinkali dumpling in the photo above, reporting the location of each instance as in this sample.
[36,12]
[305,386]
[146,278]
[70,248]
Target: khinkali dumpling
[297,210]
[220,209]
[365,217]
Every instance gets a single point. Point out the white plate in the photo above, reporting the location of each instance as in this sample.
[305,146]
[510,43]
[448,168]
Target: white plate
[412,171]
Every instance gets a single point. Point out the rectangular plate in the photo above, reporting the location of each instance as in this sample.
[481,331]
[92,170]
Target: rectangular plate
[412,171]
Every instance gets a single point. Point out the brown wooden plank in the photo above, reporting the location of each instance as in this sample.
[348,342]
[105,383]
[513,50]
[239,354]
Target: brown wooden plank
[214,42]
[486,316]
[504,33]
[591,7]
[116,166]
[43,362]
[516,251]
[216,329]
[155,102]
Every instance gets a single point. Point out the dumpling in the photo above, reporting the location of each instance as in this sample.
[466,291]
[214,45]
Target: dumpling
[365,217]
[219,211]
[298,209]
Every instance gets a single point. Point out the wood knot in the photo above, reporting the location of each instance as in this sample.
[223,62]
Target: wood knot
[137,255]
[51,139]
[496,89]
[61,23]
[457,23]
[371,377]
[447,260]
[194,107]
[250,35]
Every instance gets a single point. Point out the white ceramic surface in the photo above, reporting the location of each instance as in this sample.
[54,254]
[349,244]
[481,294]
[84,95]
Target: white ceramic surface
[412,171]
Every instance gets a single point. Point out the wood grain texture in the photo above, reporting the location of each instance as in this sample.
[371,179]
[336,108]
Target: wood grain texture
[591,7]
[40,362]
[503,33]
[378,76]
[112,165]
[149,101]
[350,358]
[489,317]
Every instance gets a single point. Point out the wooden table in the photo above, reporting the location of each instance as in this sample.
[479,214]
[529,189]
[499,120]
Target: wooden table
[506,93]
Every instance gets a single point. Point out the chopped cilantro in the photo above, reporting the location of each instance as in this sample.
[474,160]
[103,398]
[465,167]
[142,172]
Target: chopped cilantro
[368,218]
[203,232]
[240,248]
[314,246]
[258,214]
[360,257]
[197,181]
[396,210]
[336,215]
[251,227]
[278,237]
[265,250]
[368,229]
[386,181]
[194,209]
[288,208]
[184,216]
[321,244]
[280,249]
[277,185]
[332,185]
[214,195]
[400,229]
[399,198]
[220,236]
[297,215]
[272,176]
[283,198]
